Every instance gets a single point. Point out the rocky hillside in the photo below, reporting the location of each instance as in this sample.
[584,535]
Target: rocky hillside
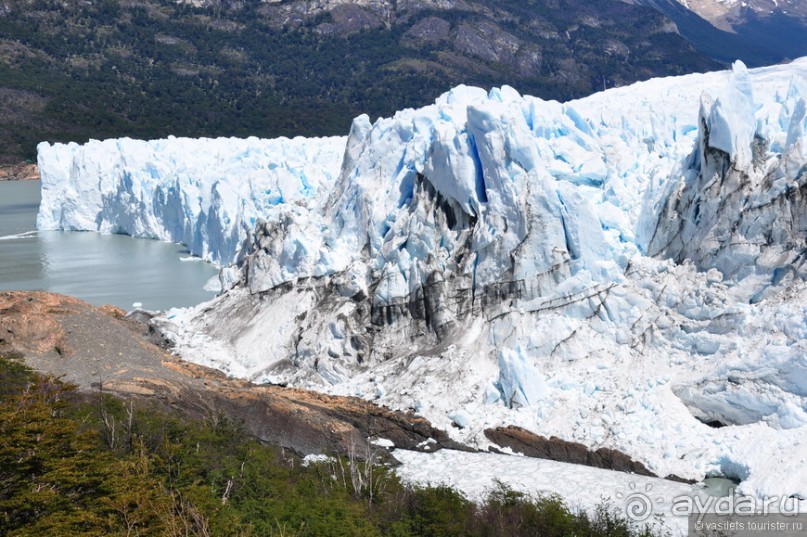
[150,68]
[100,350]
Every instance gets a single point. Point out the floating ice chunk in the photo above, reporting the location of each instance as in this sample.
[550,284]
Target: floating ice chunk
[213,284]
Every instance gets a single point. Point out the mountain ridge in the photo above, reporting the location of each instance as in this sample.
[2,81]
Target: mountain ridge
[153,68]
[728,14]
[758,32]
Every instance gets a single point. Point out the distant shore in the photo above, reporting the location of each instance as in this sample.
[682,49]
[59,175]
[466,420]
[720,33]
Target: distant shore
[19,172]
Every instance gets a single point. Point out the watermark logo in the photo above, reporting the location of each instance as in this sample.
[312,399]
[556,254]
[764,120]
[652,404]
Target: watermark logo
[734,505]
[774,525]
[639,504]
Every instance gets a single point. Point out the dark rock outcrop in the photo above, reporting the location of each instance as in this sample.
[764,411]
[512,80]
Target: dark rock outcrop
[556,449]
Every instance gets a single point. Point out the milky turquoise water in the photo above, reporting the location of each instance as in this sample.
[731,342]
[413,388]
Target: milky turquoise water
[101,269]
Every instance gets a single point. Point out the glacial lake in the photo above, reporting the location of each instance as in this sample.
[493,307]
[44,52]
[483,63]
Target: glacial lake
[100,269]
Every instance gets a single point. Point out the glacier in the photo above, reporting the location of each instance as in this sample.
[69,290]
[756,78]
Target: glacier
[623,271]
[207,194]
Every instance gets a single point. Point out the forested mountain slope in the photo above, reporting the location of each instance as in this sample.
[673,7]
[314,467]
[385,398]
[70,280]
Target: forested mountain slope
[150,68]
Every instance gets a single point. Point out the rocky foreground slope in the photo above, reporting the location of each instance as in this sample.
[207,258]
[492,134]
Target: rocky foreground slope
[623,271]
[103,351]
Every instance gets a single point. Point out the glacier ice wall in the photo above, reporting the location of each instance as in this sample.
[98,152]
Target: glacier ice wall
[487,196]
[740,206]
[620,271]
[207,194]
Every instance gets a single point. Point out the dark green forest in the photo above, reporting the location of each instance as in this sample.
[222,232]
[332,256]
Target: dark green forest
[70,71]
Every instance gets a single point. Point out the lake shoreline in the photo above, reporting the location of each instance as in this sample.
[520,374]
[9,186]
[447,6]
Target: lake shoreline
[24,171]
